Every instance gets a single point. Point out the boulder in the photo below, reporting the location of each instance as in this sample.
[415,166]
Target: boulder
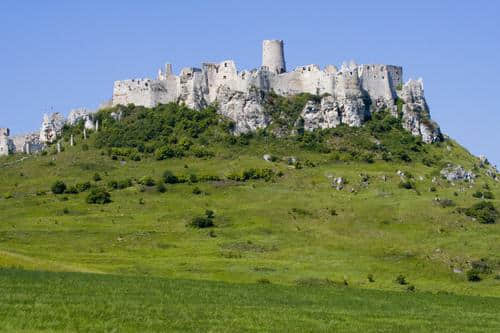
[457,172]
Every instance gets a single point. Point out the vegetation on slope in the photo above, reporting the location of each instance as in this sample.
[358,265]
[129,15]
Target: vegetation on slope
[285,221]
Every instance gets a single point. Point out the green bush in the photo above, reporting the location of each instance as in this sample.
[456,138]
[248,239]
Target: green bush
[406,184]
[252,173]
[82,187]
[483,211]
[58,187]
[71,190]
[120,184]
[477,194]
[488,195]
[202,222]
[160,187]
[473,275]
[97,177]
[400,279]
[170,178]
[197,190]
[98,195]
[147,181]
[167,152]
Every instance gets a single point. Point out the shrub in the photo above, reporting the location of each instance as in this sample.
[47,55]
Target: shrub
[113,184]
[82,187]
[203,221]
[65,210]
[124,183]
[473,275]
[400,279]
[483,211]
[98,196]
[160,187]
[263,281]
[252,173]
[433,189]
[58,187]
[477,194]
[97,177]
[481,266]
[197,190]
[71,190]
[170,178]
[147,181]
[370,278]
[166,152]
[8,195]
[85,147]
[445,203]
[406,184]
[410,288]
[488,195]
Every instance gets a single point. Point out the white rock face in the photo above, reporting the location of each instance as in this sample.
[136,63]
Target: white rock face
[331,112]
[245,109]
[416,115]
[76,115]
[457,172]
[51,127]
[4,141]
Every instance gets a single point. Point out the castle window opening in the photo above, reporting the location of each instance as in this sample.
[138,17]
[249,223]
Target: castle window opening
[225,64]
[224,77]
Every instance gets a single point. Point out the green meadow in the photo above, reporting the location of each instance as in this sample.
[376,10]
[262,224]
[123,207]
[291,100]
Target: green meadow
[287,251]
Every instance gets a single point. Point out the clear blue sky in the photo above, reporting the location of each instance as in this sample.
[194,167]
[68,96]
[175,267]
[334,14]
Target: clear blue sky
[66,54]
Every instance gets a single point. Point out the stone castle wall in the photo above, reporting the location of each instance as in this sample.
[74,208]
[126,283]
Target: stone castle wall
[353,91]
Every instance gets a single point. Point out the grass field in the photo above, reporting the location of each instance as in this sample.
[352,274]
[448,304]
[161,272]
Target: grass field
[136,262]
[32,301]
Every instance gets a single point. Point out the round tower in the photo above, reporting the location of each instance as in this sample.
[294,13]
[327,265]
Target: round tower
[273,56]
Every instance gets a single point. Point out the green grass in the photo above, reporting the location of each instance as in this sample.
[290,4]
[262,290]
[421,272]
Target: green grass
[36,301]
[281,230]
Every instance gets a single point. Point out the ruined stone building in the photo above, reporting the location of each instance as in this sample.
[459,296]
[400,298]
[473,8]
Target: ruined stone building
[348,94]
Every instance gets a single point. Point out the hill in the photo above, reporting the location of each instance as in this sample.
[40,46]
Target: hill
[170,192]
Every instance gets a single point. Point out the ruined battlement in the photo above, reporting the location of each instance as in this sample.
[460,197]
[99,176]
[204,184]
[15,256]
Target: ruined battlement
[353,90]
[198,87]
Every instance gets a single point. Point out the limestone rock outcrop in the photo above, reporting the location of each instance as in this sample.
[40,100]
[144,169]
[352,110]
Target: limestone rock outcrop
[51,127]
[416,116]
[457,172]
[245,109]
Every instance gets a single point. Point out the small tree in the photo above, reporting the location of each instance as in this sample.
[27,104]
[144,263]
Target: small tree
[170,178]
[58,187]
[98,196]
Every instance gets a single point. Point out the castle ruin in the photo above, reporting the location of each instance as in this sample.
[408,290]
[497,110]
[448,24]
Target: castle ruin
[348,94]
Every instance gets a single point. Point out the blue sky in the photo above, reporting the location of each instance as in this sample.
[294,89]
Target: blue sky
[58,55]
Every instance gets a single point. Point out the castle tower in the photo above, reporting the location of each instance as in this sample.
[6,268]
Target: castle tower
[273,56]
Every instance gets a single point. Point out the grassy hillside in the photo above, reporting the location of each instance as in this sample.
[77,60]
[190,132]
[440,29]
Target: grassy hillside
[279,222]
[104,303]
